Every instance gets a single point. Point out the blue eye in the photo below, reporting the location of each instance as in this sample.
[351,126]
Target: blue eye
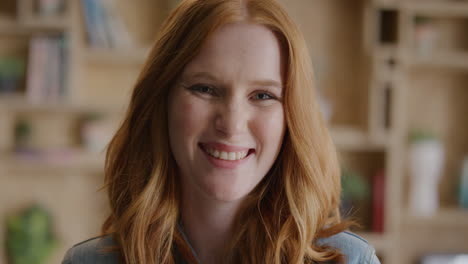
[263,96]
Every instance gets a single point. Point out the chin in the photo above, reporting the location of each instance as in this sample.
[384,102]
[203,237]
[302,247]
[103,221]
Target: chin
[227,193]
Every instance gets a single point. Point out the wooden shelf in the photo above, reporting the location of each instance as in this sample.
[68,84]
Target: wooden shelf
[449,217]
[52,23]
[354,139]
[120,56]
[378,241]
[457,60]
[18,103]
[10,26]
[77,160]
[437,8]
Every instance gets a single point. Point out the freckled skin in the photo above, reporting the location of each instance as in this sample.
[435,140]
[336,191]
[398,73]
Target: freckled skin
[234,59]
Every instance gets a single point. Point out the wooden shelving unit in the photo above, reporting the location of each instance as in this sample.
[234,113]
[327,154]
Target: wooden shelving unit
[122,56]
[80,162]
[98,84]
[367,66]
[427,77]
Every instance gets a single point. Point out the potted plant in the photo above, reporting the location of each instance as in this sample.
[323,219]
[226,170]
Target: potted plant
[29,237]
[11,72]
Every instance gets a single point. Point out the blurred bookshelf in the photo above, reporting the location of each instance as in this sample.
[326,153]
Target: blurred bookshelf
[402,68]
[61,99]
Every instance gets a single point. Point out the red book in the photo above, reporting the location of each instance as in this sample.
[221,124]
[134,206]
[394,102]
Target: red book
[378,201]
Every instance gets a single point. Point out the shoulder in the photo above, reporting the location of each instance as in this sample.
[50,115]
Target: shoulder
[92,251]
[355,248]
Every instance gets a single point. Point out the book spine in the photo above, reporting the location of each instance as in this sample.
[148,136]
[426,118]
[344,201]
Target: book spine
[117,32]
[95,24]
[63,68]
[35,83]
[378,202]
[90,23]
[54,69]
[98,13]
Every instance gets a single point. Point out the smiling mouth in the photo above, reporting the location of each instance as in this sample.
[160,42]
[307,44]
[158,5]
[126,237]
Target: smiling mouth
[226,155]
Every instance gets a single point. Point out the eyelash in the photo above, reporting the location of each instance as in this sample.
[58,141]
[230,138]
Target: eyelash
[199,89]
[206,89]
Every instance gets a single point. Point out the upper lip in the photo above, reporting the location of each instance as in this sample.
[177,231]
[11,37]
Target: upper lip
[223,147]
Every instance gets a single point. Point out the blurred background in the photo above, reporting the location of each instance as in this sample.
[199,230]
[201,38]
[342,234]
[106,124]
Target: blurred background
[393,85]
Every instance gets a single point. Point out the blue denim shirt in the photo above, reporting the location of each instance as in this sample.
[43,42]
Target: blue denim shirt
[355,248]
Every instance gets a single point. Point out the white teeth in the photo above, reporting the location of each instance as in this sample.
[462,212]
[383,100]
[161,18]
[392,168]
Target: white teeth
[224,155]
[227,155]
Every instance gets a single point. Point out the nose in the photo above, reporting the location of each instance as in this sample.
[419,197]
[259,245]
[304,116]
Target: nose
[231,118]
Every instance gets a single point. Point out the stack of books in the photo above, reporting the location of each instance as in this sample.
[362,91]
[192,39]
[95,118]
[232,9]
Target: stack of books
[104,26]
[46,69]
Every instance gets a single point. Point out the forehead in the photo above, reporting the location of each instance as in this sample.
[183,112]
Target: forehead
[240,51]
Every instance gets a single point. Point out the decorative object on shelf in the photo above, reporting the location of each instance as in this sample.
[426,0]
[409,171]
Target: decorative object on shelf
[104,25]
[354,189]
[96,133]
[23,133]
[464,184]
[29,236]
[426,161]
[47,67]
[50,7]
[11,73]
[425,35]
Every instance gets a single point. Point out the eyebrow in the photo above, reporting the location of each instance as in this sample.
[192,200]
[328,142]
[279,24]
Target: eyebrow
[262,82]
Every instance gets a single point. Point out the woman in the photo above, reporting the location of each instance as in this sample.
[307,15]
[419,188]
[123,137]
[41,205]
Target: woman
[223,156]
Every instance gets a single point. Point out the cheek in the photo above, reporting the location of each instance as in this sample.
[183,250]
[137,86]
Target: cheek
[270,128]
[186,118]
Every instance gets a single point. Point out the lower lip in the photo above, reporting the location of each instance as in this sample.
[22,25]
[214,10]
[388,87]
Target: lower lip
[226,164]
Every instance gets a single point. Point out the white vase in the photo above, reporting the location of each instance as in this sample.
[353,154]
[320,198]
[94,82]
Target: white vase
[426,160]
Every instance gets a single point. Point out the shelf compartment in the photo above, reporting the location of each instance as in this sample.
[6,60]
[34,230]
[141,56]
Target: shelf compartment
[388,30]
[436,104]
[364,183]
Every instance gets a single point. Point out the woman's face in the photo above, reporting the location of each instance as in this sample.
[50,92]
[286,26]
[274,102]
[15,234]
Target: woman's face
[226,117]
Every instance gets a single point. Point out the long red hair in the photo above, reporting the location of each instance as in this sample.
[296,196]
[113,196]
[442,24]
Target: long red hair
[295,204]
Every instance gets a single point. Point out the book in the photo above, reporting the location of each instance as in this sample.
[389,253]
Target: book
[46,69]
[117,33]
[94,18]
[104,26]
[378,202]
[35,69]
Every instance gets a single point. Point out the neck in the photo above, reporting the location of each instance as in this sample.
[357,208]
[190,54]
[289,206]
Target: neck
[208,225]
